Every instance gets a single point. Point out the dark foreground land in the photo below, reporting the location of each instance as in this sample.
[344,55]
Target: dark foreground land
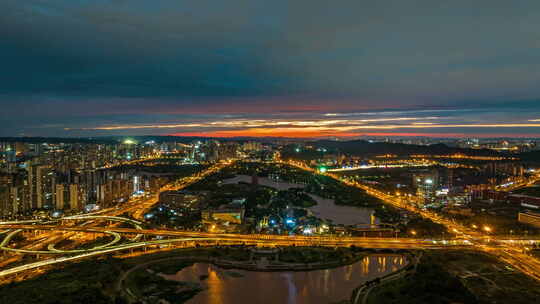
[459,277]
[440,277]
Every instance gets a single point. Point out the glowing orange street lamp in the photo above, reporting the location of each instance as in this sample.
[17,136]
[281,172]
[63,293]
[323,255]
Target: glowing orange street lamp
[413,232]
[487,229]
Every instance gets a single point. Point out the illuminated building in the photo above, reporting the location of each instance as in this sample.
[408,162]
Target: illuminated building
[6,200]
[181,199]
[232,215]
[61,196]
[75,202]
[426,185]
[529,218]
[252,146]
[19,199]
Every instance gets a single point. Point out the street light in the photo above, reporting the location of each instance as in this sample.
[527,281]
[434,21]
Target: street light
[487,229]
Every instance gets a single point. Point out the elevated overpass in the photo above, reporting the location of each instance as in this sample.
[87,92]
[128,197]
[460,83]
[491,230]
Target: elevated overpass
[248,239]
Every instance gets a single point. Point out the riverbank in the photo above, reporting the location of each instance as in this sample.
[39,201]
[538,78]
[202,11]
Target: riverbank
[145,281]
[205,282]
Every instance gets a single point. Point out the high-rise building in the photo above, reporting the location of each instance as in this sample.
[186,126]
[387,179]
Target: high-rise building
[40,185]
[61,196]
[426,184]
[75,202]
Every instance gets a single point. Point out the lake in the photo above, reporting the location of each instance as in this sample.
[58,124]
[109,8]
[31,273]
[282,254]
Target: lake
[231,286]
[325,208]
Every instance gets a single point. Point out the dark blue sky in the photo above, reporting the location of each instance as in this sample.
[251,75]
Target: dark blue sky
[250,67]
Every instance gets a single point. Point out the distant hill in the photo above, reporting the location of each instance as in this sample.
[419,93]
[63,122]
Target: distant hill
[365,148]
[533,156]
[108,139]
[56,140]
[138,138]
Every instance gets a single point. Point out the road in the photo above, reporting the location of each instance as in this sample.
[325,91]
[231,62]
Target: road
[193,239]
[137,207]
[518,184]
[505,251]
[368,242]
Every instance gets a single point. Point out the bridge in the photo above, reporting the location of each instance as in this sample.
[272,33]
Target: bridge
[132,235]
[128,239]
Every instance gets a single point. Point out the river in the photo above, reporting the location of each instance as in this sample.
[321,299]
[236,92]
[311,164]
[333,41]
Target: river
[325,208]
[226,286]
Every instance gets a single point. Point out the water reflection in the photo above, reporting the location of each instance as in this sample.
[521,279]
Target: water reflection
[325,208]
[320,286]
[346,215]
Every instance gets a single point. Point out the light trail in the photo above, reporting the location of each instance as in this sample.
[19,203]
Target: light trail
[527,264]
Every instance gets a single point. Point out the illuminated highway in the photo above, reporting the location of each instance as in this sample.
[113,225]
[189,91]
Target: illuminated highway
[193,239]
[503,249]
[518,184]
[137,207]
[48,262]
[371,242]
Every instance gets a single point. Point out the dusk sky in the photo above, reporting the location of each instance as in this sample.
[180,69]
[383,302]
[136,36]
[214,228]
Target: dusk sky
[302,68]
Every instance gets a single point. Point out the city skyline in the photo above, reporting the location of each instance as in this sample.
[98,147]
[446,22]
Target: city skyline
[252,151]
[303,69]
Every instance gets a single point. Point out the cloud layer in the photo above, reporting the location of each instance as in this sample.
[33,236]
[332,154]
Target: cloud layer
[87,65]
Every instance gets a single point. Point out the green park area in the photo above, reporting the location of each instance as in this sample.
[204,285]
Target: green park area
[264,201]
[459,277]
[90,281]
[320,255]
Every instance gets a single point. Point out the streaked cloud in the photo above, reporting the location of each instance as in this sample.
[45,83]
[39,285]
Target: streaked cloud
[322,125]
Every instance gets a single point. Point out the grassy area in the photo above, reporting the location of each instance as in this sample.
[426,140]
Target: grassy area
[152,288]
[85,282]
[430,284]
[294,197]
[499,216]
[423,228]
[384,179]
[229,253]
[99,241]
[317,255]
[459,277]
[170,266]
